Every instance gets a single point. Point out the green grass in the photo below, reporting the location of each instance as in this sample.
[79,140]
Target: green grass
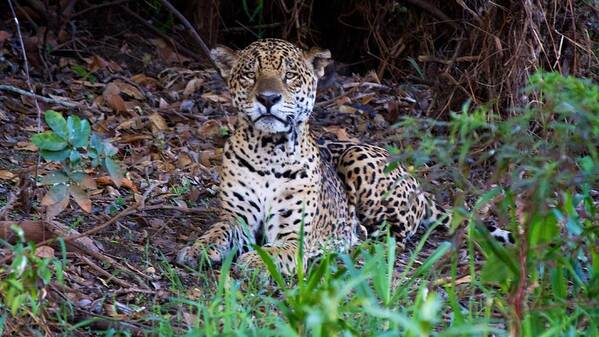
[535,170]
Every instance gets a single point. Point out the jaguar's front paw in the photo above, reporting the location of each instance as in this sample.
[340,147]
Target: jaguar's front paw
[191,255]
[250,260]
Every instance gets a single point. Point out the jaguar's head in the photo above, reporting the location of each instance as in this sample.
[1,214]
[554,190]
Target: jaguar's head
[272,82]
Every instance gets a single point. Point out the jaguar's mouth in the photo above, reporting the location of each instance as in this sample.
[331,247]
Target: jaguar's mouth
[271,116]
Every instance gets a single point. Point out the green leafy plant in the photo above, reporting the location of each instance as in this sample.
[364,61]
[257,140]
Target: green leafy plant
[85,74]
[24,280]
[72,145]
[541,163]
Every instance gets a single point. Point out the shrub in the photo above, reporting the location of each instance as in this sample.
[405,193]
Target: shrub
[72,145]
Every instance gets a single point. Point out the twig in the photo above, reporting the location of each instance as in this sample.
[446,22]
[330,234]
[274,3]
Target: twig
[36,97]
[436,12]
[104,272]
[133,290]
[190,28]
[244,28]
[29,85]
[428,58]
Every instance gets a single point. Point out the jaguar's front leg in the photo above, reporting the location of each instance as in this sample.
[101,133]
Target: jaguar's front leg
[216,243]
[283,253]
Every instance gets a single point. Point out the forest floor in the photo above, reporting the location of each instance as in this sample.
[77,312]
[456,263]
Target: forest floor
[169,117]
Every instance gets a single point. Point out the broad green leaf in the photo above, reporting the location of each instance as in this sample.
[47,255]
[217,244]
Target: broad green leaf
[114,170]
[79,131]
[57,123]
[97,143]
[56,194]
[495,271]
[559,283]
[48,140]
[542,229]
[83,138]
[109,149]
[16,304]
[19,265]
[74,127]
[74,156]
[55,155]
[52,178]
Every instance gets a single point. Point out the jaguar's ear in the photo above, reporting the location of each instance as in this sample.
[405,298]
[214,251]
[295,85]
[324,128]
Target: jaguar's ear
[319,59]
[225,59]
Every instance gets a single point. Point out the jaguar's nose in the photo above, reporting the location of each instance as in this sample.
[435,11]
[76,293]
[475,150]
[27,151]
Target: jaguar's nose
[268,99]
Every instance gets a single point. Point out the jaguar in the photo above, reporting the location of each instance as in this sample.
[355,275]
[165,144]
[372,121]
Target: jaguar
[281,184]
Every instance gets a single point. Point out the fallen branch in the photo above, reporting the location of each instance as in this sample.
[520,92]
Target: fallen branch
[45,234]
[36,231]
[4,87]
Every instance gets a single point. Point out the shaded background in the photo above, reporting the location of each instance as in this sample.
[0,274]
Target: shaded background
[464,49]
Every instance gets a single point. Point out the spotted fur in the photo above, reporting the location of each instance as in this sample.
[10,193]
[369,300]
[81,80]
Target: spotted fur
[276,176]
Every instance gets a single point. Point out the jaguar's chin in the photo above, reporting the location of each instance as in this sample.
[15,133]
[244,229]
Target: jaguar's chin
[272,125]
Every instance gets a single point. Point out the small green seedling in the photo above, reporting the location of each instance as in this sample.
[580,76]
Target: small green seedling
[71,144]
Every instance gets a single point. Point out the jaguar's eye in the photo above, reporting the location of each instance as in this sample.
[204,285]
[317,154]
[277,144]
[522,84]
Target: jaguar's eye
[249,75]
[290,75]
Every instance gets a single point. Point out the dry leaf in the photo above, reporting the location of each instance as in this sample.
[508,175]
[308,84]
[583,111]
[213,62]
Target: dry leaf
[55,209]
[96,63]
[158,123]
[339,132]
[81,198]
[45,252]
[192,86]
[55,194]
[133,138]
[162,104]
[27,146]
[366,99]
[146,81]
[343,100]
[206,156]
[6,175]
[183,161]
[129,90]
[209,129]
[125,182]
[215,98]
[89,183]
[113,98]
[127,124]
[347,109]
